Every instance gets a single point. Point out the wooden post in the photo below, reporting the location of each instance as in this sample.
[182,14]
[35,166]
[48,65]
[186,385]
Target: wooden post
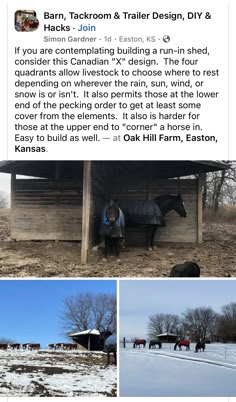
[57,170]
[13,180]
[199,209]
[86,211]
[89,343]
[13,201]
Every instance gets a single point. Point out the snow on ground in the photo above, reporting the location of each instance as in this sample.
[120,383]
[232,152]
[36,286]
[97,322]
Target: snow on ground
[165,372]
[56,373]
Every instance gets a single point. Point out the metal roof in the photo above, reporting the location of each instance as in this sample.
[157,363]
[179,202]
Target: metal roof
[87,332]
[74,169]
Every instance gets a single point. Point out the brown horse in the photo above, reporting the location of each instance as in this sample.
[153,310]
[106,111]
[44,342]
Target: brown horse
[69,346]
[34,346]
[139,342]
[15,346]
[183,342]
[31,346]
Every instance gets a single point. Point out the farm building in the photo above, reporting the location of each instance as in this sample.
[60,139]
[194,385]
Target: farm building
[167,337]
[63,200]
[90,339]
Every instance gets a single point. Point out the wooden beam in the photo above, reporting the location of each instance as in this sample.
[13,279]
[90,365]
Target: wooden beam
[13,198]
[13,179]
[89,342]
[86,211]
[199,208]
[57,170]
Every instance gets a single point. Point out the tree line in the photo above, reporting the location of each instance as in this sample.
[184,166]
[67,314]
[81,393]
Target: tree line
[200,323]
[219,188]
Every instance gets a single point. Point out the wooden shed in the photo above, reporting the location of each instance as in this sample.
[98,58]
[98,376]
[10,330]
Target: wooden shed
[168,337]
[91,339]
[63,200]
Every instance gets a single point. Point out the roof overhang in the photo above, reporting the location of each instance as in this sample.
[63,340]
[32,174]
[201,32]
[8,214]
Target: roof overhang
[87,332]
[74,169]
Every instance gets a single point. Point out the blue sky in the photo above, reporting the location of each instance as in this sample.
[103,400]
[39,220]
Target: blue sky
[141,298]
[30,309]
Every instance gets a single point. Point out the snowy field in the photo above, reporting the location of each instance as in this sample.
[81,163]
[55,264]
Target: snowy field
[165,372]
[56,373]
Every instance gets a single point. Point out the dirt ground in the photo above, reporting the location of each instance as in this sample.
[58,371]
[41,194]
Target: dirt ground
[216,256]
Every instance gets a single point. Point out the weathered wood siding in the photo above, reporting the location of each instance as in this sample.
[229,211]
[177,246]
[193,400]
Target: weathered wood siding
[177,229]
[46,210]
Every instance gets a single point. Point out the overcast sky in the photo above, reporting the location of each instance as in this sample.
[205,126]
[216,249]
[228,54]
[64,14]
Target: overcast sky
[141,298]
[5,182]
[30,310]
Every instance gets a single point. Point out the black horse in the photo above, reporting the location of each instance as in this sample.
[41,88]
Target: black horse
[152,213]
[188,269]
[112,228]
[153,343]
[110,346]
[200,346]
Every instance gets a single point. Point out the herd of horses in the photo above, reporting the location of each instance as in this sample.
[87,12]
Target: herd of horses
[37,346]
[129,213]
[200,346]
[62,346]
[18,346]
[110,347]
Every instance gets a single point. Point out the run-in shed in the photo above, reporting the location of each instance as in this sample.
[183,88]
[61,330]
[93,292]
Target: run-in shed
[63,200]
[168,337]
[90,339]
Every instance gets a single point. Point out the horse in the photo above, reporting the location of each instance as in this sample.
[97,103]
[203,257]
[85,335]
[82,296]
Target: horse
[112,228]
[151,213]
[183,342]
[15,346]
[200,346]
[69,346]
[139,342]
[31,346]
[110,346]
[55,346]
[154,343]
[188,269]
[34,346]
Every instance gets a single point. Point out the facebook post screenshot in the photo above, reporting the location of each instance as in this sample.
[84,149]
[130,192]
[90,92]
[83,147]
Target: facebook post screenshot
[118,200]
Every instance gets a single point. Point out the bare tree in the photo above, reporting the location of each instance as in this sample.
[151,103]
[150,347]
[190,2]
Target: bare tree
[77,313]
[227,323]
[88,311]
[199,322]
[219,188]
[160,323]
[104,312]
